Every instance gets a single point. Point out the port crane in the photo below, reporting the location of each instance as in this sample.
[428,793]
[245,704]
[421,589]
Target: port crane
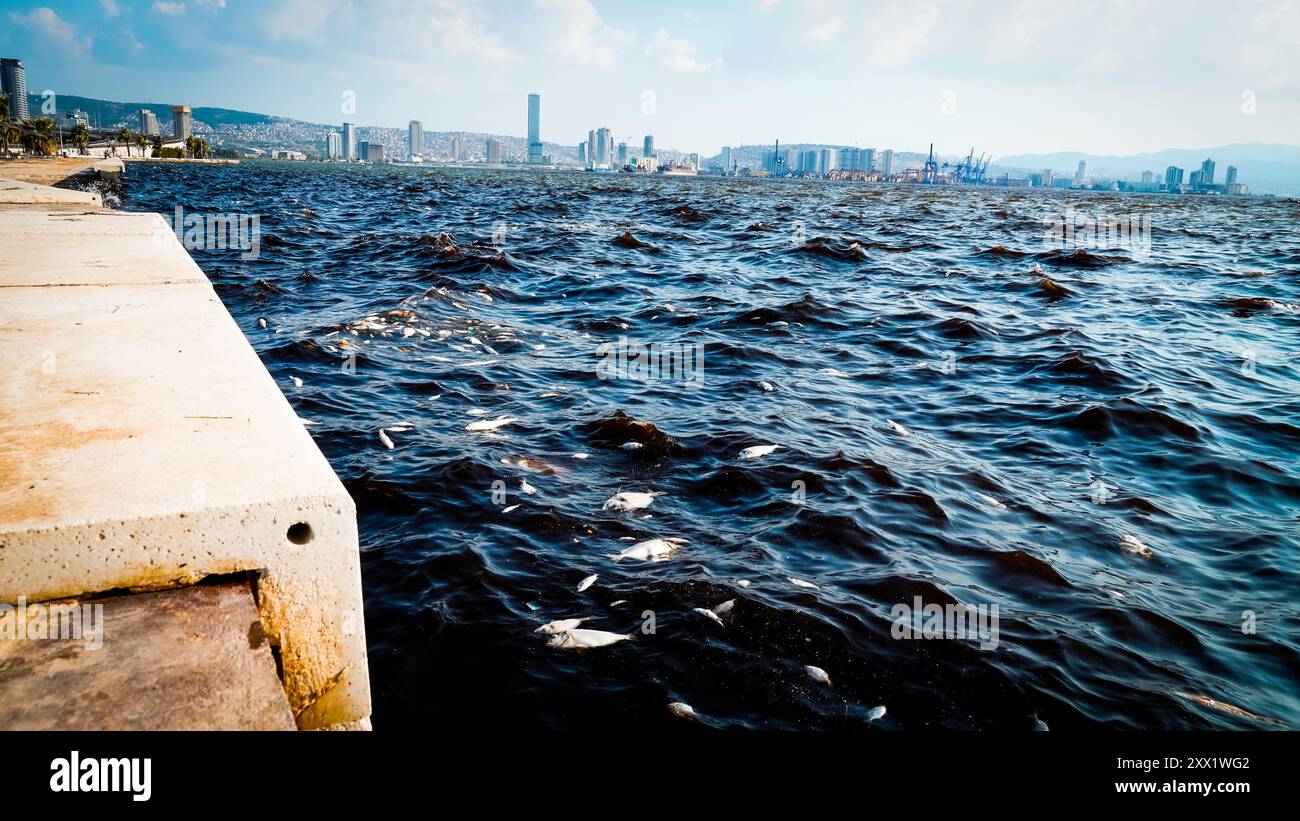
[931,175]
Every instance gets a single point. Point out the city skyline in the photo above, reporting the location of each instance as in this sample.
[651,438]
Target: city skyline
[698,79]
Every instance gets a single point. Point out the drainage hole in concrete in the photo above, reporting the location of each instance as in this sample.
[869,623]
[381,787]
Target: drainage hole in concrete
[300,533]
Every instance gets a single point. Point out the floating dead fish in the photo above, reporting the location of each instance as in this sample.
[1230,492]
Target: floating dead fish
[579,456]
[755,451]
[710,615]
[508,509]
[561,625]
[657,550]
[877,712]
[632,445]
[526,488]
[297,383]
[490,424]
[743,583]
[899,429]
[1132,544]
[385,440]
[630,500]
[587,582]
[817,674]
[261,322]
[767,386]
[585,639]
[1223,706]
[725,607]
[1040,726]
[682,710]
[400,428]
[617,603]
[991,502]
[802,583]
[408,332]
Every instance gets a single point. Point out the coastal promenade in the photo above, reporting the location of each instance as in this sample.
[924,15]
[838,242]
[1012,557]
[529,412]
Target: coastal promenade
[151,469]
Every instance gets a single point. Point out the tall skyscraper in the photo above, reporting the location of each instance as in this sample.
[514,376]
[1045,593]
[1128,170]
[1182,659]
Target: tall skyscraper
[648,147]
[887,162]
[13,81]
[1173,178]
[349,142]
[1082,173]
[334,145]
[826,161]
[149,123]
[1148,177]
[582,153]
[604,146]
[414,139]
[534,128]
[591,147]
[492,150]
[1047,177]
[181,122]
[1232,175]
[458,153]
[1207,172]
[622,154]
[726,159]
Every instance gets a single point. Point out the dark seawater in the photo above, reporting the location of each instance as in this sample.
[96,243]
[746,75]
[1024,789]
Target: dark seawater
[1070,367]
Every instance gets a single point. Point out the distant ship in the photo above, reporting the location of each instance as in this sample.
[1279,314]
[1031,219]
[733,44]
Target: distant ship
[677,171]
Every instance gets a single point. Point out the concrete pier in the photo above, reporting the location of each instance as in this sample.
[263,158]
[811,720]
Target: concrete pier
[144,447]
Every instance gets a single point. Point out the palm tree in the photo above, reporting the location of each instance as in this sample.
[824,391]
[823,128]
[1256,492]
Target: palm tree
[125,136]
[80,137]
[38,136]
[6,130]
[142,143]
[157,145]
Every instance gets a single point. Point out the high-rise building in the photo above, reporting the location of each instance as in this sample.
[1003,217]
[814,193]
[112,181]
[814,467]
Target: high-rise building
[13,81]
[582,153]
[1207,172]
[149,123]
[604,146]
[349,142]
[1231,179]
[535,128]
[414,139]
[333,145]
[181,122]
[887,163]
[1194,180]
[458,153]
[648,146]
[591,147]
[695,161]
[1047,177]
[826,161]
[1081,174]
[857,159]
[726,159]
[492,151]
[1148,177]
[1173,178]
[622,154]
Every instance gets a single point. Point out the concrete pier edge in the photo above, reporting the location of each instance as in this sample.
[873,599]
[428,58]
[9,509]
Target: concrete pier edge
[144,446]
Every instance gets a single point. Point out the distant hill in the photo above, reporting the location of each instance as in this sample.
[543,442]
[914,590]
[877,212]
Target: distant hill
[107,113]
[1267,168]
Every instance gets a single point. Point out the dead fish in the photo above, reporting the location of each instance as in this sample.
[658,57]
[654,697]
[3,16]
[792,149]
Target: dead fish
[743,583]
[508,509]
[682,710]
[876,712]
[297,383]
[1206,701]
[756,451]
[650,550]
[585,639]
[617,603]
[561,625]
[1040,726]
[899,429]
[725,607]
[489,424]
[710,615]
[633,445]
[991,502]
[802,583]
[526,488]
[385,440]
[631,500]
[579,456]
[261,322]
[587,582]
[817,674]
[1132,544]
[766,386]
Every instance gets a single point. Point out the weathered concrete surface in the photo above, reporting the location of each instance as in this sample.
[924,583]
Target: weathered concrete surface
[46,170]
[17,192]
[143,445]
[189,659]
[110,168]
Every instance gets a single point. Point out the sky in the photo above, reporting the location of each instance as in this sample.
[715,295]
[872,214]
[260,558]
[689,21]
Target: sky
[1003,76]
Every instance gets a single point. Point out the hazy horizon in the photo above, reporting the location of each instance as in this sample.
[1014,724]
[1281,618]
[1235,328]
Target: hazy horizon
[1009,78]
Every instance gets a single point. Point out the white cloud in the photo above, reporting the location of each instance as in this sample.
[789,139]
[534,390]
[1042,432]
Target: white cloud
[110,8]
[305,20]
[573,29]
[45,22]
[676,53]
[211,4]
[167,8]
[459,28]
